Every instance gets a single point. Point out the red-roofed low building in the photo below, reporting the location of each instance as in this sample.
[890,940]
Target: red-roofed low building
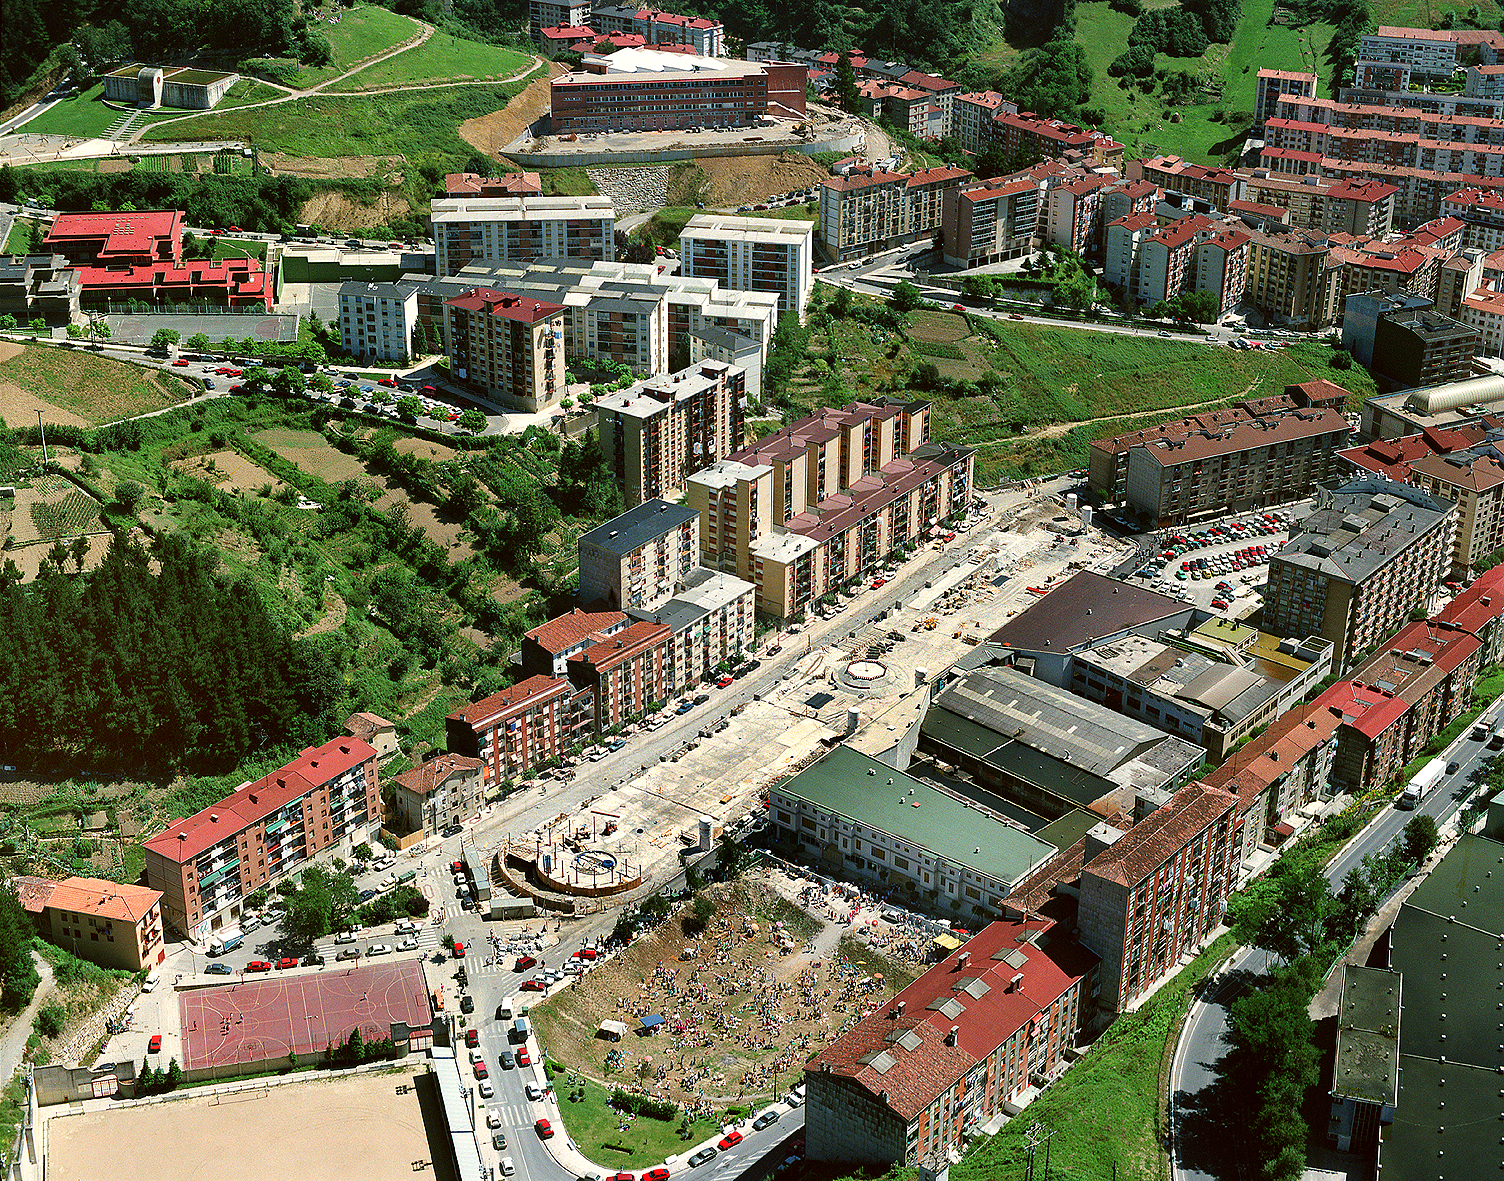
[548,648]
[101,921]
[328,798]
[118,239]
[508,348]
[436,794]
[913,1079]
[1431,668]
[565,39]
[1477,611]
[512,184]
[1370,738]
[1155,892]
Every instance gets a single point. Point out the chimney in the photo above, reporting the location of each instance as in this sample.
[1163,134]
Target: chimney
[950,1038]
[1016,983]
[213,817]
[963,959]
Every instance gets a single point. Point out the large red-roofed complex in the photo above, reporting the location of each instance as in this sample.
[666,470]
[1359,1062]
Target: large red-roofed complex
[123,257]
[911,1080]
[205,866]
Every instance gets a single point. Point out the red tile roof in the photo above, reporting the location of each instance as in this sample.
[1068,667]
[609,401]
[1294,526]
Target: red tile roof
[1478,605]
[522,308]
[1250,769]
[482,713]
[123,235]
[610,650]
[940,173]
[1155,839]
[1368,711]
[108,900]
[919,1076]
[428,777]
[565,631]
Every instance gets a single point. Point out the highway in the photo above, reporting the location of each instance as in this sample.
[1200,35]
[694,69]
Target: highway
[1199,1147]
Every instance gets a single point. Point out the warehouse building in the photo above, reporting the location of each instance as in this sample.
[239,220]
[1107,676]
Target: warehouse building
[173,86]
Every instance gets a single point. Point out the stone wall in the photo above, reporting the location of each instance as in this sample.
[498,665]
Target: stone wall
[632,190]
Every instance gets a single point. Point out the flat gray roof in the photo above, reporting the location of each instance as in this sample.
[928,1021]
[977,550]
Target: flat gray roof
[637,526]
[1368,1036]
[1361,527]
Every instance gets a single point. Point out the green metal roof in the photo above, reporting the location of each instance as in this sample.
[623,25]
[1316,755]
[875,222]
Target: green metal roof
[849,784]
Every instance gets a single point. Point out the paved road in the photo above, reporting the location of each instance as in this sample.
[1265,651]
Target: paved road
[1199,1148]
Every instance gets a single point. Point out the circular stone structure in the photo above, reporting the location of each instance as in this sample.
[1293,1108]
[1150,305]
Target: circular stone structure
[866,670]
[865,676]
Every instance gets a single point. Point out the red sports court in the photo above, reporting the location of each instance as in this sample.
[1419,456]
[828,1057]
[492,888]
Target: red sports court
[259,1020]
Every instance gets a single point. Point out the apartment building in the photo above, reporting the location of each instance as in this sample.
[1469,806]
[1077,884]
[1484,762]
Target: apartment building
[621,324]
[941,92]
[1253,464]
[1358,564]
[986,221]
[1462,465]
[1287,277]
[1476,609]
[913,1081]
[104,922]
[1273,83]
[972,114]
[650,90]
[1024,134]
[327,799]
[659,432]
[1222,266]
[1419,347]
[641,559]
[1392,56]
[1154,262]
[378,321]
[512,184]
[626,673]
[913,110]
[1157,891]
[866,210]
[710,619]
[520,229]
[705,37]
[1107,465]
[1431,668]
[548,648]
[1482,213]
[1073,216]
[507,348]
[439,792]
[513,731]
[752,254]
[1218,187]
[39,286]
[547,14]
[1344,206]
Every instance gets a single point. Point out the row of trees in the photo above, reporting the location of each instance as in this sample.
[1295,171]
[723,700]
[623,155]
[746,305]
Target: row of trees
[1182,31]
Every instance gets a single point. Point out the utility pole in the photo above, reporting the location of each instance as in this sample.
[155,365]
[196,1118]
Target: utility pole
[43,430]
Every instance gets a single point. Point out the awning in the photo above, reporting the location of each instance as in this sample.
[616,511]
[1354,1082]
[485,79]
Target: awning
[948,942]
[615,1030]
[1283,830]
[651,1021]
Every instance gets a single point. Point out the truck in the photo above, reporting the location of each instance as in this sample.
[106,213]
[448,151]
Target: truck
[1497,741]
[1424,781]
[227,940]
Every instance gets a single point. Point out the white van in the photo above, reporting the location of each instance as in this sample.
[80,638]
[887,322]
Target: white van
[507,1009]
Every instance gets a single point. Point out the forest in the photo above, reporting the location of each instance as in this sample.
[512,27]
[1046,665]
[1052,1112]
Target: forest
[152,662]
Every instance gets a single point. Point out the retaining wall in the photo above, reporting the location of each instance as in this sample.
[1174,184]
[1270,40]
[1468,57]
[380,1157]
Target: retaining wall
[844,143]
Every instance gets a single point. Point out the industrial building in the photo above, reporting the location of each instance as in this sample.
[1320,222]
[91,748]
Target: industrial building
[172,86]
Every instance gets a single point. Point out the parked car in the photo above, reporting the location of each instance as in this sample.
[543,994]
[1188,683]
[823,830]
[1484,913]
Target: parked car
[730,1140]
[523,1057]
[545,1129]
[480,1070]
[350,953]
[532,986]
[155,1045]
[534,1092]
[258,966]
[766,1120]
[313,960]
[467,1004]
[220,970]
[506,1060]
[704,1156]
[524,962]
[287,961]
[379,949]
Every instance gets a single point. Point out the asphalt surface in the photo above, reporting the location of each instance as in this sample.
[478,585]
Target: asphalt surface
[1199,1142]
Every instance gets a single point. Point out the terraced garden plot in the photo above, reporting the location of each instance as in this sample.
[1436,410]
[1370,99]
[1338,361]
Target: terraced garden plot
[311,452]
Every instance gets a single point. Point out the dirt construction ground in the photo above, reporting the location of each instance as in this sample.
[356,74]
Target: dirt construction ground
[322,1126]
[490,133]
[740,180]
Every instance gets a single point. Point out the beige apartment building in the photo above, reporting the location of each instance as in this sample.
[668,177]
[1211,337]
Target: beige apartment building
[507,348]
[520,229]
[659,432]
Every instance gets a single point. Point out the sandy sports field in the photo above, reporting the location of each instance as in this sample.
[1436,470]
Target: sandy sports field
[319,1130]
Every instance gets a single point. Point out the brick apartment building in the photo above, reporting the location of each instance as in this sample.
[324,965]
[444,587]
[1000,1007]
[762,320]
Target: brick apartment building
[986,221]
[659,432]
[866,210]
[519,728]
[328,798]
[1273,83]
[627,672]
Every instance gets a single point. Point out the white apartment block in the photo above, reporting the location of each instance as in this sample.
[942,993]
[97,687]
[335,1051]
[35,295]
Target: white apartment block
[377,320]
[520,229]
[752,254]
[1430,53]
[711,617]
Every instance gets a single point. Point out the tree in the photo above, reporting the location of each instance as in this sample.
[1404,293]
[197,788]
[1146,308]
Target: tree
[199,342]
[163,338]
[905,298]
[288,381]
[310,910]
[257,377]
[174,1075]
[1286,911]
[1419,838]
[409,406]
[472,420]
[128,494]
[848,94]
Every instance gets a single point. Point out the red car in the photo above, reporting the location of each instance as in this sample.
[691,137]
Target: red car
[472,1038]
[481,1071]
[523,1058]
[1014,316]
[457,866]
[723,680]
[730,1140]
[287,961]
[879,583]
[524,962]
[387,381]
[622,1177]
[236,230]
[658,1174]
[155,1045]
[216,233]
[181,362]
[222,371]
[545,1129]
[532,986]
[258,966]
[428,389]
[585,953]
[459,950]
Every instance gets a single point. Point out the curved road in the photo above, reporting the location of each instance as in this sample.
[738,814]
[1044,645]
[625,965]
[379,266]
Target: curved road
[1199,1144]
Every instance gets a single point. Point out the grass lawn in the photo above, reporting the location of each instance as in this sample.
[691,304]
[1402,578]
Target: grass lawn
[662,229]
[1140,121]
[594,1127]
[441,58]
[566,182]
[235,248]
[248,91]
[83,115]
[1105,1111]
[360,33]
[1424,14]
[94,388]
[19,241]
[333,126]
[809,212]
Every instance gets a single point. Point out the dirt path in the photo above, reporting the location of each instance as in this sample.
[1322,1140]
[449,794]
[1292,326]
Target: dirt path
[1055,430]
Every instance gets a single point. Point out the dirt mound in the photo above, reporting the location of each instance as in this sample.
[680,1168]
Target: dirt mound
[334,211]
[490,133]
[737,180]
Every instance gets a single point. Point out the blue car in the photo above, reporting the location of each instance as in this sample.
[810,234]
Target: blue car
[685,708]
[220,970]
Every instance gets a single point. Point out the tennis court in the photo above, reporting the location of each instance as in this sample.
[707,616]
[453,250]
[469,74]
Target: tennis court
[260,1020]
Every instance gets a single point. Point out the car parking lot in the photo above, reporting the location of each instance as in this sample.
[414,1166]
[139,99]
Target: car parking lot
[1221,566]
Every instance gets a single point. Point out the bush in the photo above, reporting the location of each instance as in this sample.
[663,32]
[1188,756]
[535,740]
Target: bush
[50,1020]
[644,1105]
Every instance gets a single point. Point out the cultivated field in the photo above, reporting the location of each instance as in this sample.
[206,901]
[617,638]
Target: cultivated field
[229,471]
[311,452]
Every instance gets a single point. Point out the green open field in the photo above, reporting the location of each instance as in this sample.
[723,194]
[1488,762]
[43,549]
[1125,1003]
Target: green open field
[333,126]
[235,248]
[94,388]
[84,116]
[595,1128]
[1425,14]
[441,58]
[1138,120]
[20,236]
[565,182]
[248,91]
[360,33]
